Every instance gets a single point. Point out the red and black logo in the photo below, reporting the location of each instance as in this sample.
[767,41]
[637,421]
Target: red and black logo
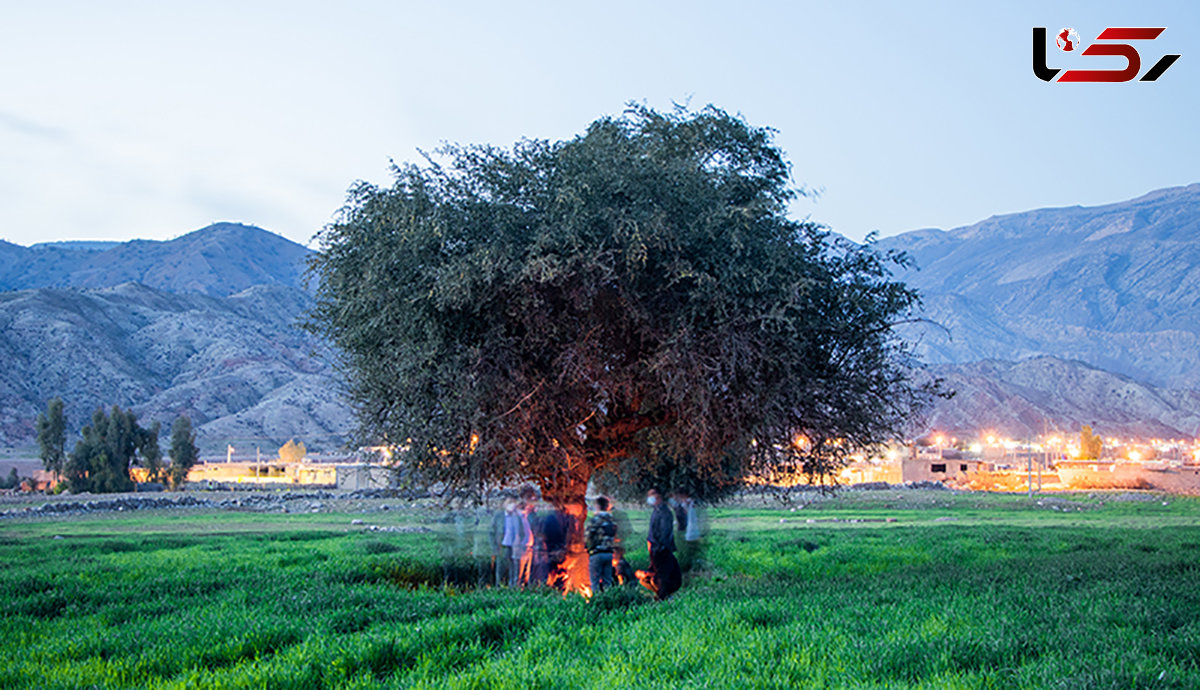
[1068,41]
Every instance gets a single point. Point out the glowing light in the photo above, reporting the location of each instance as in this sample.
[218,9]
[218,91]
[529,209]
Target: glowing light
[939,440]
[991,440]
[976,448]
[1135,456]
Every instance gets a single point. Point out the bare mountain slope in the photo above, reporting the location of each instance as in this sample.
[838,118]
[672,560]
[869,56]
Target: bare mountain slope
[1116,286]
[221,259]
[1047,394]
[237,365]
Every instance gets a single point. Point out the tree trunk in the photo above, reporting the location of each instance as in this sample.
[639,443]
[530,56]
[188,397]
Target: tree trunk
[567,492]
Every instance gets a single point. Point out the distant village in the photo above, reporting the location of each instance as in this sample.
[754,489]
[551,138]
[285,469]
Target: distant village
[983,462]
[1057,462]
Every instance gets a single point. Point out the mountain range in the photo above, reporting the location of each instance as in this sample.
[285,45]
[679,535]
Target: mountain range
[203,325]
[1106,290]
[219,260]
[1115,286]
[1040,395]
[1040,321]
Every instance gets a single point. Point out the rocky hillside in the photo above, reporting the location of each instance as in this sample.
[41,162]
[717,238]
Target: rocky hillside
[1047,394]
[203,325]
[1115,286]
[219,260]
[237,365]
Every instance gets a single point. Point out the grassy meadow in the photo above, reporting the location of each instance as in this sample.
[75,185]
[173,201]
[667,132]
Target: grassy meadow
[894,589]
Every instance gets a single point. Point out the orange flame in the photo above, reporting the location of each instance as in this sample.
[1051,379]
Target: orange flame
[572,575]
[647,579]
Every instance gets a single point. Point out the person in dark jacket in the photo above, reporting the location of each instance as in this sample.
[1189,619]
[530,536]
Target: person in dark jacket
[556,530]
[664,568]
[601,542]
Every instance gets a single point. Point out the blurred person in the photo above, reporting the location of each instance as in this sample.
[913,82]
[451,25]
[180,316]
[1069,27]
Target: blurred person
[664,569]
[556,530]
[625,537]
[528,544]
[601,541]
[483,546]
[680,512]
[690,529]
[512,538]
[456,540]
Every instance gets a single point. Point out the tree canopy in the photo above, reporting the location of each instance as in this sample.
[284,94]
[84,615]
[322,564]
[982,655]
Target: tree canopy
[549,310]
[108,446]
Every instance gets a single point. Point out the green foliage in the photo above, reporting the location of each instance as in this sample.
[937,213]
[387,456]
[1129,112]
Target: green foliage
[52,436]
[101,459]
[637,288]
[12,481]
[151,453]
[184,453]
[1006,593]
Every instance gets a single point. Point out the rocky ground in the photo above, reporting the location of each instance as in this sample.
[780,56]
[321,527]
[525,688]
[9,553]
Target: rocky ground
[423,508]
[276,501]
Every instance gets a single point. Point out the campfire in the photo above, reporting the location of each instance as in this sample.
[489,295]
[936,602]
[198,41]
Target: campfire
[572,574]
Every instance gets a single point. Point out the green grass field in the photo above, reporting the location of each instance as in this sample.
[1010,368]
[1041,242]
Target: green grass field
[872,589]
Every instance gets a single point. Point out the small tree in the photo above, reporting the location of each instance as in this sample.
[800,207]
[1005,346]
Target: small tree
[52,436]
[151,453]
[1090,445]
[12,481]
[292,451]
[183,451]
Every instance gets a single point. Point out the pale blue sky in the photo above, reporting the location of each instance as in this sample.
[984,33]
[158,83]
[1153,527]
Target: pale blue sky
[151,119]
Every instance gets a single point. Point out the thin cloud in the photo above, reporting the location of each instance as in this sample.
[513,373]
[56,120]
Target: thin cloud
[29,128]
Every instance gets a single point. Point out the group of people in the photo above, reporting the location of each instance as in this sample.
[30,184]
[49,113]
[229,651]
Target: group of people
[606,558]
[531,545]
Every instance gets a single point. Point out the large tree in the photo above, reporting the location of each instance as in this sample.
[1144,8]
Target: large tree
[547,311]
